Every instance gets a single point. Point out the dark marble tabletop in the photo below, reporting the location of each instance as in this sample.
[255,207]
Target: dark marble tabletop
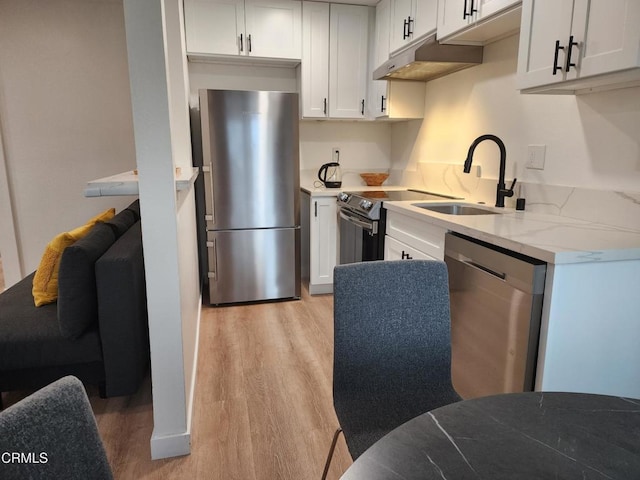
[536,435]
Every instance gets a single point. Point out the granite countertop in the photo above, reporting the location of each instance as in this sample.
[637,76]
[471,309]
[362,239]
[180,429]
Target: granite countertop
[551,238]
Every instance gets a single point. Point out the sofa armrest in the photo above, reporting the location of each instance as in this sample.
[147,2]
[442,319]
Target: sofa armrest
[122,313]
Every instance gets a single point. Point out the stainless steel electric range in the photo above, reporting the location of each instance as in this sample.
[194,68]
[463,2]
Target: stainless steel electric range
[362,221]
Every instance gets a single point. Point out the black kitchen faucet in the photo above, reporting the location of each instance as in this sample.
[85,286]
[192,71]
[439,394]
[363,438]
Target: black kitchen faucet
[501,191]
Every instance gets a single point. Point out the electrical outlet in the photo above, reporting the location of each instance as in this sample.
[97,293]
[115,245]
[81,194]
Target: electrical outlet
[535,157]
[335,154]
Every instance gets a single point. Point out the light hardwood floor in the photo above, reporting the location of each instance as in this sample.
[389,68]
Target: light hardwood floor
[263,408]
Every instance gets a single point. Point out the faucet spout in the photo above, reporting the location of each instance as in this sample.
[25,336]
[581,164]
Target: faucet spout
[501,191]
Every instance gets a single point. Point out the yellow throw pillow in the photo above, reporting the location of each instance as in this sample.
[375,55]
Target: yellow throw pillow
[45,281]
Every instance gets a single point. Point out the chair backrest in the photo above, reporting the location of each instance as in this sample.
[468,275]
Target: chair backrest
[392,330]
[52,434]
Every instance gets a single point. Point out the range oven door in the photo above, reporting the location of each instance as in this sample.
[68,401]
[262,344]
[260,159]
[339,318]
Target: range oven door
[359,238]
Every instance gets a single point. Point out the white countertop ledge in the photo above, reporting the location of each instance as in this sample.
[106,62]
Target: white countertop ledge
[126,183]
[551,238]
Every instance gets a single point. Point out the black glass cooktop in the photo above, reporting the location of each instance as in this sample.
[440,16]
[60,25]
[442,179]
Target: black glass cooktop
[400,195]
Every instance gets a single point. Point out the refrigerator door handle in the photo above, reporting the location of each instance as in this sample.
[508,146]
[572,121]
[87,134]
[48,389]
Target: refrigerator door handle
[208,169]
[214,274]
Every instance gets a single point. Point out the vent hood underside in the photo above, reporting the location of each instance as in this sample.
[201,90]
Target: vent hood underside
[429,60]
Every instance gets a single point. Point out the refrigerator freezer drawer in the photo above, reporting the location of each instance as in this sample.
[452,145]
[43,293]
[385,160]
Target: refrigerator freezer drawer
[253,265]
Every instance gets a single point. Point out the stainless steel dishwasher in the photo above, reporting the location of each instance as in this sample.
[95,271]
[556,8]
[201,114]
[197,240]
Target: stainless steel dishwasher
[496,305]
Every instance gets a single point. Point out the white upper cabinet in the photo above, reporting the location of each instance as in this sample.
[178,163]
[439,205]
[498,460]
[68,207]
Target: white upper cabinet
[333,71]
[410,21]
[214,27]
[274,29]
[348,54]
[314,74]
[251,28]
[570,46]
[477,21]
[379,95]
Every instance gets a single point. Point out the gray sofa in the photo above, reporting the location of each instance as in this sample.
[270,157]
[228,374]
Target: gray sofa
[97,330]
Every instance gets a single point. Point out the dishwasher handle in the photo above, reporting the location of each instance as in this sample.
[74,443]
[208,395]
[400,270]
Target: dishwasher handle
[471,263]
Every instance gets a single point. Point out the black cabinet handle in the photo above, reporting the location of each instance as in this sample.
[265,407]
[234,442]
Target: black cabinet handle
[471,11]
[362,108]
[241,43]
[570,48]
[405,30]
[555,57]
[383,107]
[315,209]
[249,43]
[324,108]
[409,29]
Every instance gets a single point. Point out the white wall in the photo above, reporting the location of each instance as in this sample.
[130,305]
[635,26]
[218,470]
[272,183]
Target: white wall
[159,92]
[363,146]
[593,141]
[65,114]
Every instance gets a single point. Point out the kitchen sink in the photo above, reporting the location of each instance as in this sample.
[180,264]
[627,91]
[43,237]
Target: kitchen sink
[455,209]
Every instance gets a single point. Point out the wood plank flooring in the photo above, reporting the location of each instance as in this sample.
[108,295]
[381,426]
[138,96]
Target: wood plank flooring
[263,407]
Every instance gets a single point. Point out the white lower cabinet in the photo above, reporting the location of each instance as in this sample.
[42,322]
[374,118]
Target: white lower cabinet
[410,237]
[396,250]
[319,252]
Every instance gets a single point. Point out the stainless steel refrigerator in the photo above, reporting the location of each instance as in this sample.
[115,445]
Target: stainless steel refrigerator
[251,170]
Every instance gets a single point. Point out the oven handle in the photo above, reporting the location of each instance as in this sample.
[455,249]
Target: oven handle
[368,226]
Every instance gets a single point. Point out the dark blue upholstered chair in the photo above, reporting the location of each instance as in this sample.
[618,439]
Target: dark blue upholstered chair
[392,347]
[53,434]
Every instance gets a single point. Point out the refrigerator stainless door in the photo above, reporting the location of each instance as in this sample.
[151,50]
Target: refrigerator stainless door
[250,139]
[253,265]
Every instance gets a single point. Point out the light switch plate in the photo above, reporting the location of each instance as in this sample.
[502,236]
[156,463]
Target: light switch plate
[535,157]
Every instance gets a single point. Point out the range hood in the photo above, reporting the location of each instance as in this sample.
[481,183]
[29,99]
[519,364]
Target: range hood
[428,60]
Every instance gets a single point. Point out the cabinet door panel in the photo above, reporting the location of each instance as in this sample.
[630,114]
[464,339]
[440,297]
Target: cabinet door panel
[315,60]
[214,26]
[451,17]
[348,53]
[395,250]
[274,29]
[324,225]
[424,18]
[543,23]
[608,39]
[400,12]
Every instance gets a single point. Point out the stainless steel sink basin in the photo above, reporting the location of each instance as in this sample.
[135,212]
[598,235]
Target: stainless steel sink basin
[455,209]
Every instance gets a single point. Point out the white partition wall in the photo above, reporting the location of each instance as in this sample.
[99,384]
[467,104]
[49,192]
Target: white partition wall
[159,92]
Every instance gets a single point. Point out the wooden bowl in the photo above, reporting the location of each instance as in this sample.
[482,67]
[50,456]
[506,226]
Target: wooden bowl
[374,179]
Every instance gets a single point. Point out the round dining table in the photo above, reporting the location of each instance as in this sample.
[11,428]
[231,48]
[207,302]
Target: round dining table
[533,435]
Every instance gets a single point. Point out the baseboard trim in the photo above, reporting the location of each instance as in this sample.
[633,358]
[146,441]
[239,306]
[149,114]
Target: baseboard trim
[166,446]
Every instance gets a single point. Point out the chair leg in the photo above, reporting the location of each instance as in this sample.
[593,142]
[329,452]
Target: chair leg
[331,450]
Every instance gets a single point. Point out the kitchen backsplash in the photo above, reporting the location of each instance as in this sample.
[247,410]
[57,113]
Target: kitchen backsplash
[619,209]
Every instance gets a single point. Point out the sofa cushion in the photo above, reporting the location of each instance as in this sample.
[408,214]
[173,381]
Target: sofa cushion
[122,301]
[77,298]
[122,222]
[135,208]
[30,337]
[45,281]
